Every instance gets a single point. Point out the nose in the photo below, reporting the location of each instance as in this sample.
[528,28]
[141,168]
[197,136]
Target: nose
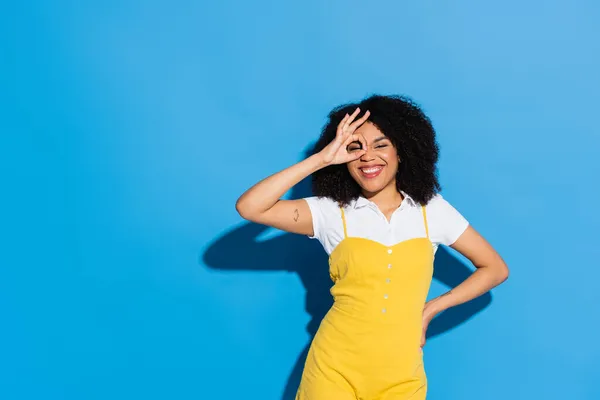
[367,156]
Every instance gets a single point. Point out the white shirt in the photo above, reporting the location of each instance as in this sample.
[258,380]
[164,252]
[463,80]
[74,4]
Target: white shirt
[365,220]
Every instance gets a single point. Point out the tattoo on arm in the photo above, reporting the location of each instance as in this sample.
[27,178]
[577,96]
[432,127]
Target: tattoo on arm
[296,215]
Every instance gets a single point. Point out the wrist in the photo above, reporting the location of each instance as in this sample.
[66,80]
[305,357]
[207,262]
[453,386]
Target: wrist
[319,160]
[438,304]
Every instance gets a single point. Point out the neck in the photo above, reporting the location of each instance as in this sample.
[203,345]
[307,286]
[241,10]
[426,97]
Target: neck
[386,198]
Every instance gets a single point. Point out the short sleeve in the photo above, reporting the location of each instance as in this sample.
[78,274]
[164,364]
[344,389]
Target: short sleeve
[446,223]
[327,222]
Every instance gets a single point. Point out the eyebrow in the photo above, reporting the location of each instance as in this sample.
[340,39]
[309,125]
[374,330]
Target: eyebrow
[380,138]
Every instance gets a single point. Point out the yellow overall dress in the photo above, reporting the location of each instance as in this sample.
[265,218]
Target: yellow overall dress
[368,345]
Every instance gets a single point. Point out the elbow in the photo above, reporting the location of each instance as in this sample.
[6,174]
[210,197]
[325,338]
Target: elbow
[241,209]
[503,273]
[244,210]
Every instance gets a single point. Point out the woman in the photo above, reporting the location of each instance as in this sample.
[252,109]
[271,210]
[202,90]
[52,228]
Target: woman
[378,214]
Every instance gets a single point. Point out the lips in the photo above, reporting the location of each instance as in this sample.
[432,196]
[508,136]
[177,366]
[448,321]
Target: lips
[371,171]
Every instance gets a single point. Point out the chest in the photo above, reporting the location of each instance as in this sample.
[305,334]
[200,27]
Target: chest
[373,224]
[364,260]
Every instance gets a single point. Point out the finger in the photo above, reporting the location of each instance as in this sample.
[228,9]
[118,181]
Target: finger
[354,114]
[363,141]
[358,152]
[355,155]
[340,128]
[343,121]
[360,121]
[354,138]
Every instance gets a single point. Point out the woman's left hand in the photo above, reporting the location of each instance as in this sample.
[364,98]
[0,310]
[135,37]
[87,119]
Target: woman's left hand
[428,313]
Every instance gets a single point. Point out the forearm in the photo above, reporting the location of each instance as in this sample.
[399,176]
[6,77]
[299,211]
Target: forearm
[263,195]
[479,282]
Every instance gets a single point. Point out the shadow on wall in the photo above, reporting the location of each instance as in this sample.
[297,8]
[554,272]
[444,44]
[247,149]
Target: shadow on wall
[239,250]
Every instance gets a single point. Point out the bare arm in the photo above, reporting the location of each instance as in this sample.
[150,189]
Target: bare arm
[491,269]
[262,203]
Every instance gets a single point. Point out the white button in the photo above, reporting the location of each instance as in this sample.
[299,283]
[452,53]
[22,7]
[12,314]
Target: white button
[389,251]
[385,296]
[389,266]
[387,280]
[384,310]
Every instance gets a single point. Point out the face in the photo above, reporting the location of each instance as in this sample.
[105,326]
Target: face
[377,168]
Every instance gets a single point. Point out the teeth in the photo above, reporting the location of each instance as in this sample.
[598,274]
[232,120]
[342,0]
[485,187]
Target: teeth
[371,170]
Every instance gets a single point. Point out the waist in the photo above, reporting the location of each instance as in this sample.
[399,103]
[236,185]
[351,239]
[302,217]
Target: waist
[370,341]
[404,315]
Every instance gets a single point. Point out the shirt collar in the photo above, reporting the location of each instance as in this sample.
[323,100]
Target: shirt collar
[362,201]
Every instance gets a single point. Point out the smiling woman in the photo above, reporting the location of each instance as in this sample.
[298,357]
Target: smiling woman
[379,154]
[378,214]
[397,136]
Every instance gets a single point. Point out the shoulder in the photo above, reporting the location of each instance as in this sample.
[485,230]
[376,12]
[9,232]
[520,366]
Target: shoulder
[319,203]
[438,204]
[445,222]
[327,221]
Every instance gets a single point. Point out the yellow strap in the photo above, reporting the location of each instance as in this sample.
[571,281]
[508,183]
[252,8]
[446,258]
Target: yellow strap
[344,222]
[425,221]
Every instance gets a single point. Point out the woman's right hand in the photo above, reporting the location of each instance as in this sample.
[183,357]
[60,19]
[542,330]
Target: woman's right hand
[336,152]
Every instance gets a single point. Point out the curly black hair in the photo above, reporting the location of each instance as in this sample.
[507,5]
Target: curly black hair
[411,133]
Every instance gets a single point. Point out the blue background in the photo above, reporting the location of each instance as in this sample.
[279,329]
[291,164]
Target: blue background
[129,129]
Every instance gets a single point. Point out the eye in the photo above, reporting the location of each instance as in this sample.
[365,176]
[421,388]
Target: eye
[380,146]
[354,147]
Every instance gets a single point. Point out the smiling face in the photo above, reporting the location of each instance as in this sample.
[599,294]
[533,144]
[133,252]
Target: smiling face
[377,168]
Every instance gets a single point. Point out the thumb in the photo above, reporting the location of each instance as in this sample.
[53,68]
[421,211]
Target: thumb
[357,155]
